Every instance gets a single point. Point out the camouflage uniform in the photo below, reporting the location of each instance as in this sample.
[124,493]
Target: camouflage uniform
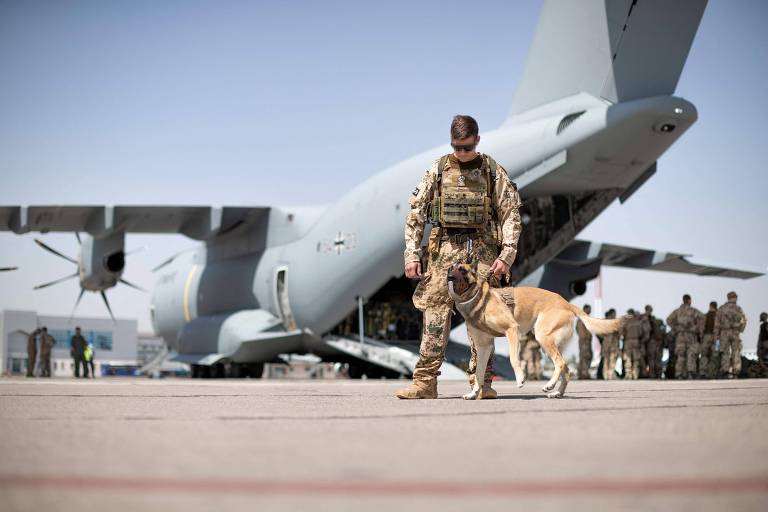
[610,352]
[482,247]
[654,347]
[532,357]
[645,338]
[707,368]
[585,349]
[631,331]
[730,321]
[686,323]
[31,353]
[46,346]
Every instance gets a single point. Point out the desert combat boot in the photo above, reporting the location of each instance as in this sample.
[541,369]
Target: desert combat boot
[487,393]
[419,389]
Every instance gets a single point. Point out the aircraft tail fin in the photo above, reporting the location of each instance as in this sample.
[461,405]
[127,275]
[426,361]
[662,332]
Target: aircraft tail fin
[618,50]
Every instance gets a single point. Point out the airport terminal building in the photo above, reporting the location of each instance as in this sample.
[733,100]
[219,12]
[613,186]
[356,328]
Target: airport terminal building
[114,343]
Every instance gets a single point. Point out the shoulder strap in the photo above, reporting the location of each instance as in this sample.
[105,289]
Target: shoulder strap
[490,169]
[440,167]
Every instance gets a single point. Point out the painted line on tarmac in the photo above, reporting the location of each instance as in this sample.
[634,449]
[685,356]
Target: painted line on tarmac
[554,487]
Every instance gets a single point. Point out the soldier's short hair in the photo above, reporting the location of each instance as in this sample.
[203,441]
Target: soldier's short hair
[648,306]
[713,304]
[587,306]
[686,298]
[463,126]
[631,311]
[732,295]
[763,317]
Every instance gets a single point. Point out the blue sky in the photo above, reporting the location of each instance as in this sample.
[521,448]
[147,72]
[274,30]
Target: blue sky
[249,103]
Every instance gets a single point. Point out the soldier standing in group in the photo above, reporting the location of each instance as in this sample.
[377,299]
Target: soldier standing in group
[762,340]
[585,346]
[78,353]
[46,346]
[707,362]
[686,323]
[645,321]
[631,331]
[32,352]
[474,210]
[730,321]
[532,357]
[654,343]
[610,350]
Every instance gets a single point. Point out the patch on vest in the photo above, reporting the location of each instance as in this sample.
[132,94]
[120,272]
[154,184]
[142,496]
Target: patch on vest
[461,181]
[416,191]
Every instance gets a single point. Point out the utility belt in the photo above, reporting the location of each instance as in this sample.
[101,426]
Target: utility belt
[460,235]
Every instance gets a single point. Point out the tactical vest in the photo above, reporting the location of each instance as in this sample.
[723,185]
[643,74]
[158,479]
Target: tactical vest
[462,199]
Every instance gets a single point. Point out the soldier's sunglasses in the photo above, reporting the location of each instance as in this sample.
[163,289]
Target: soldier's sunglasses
[464,147]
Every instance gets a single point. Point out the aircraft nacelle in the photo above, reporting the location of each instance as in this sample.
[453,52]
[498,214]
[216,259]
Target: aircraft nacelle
[101,261]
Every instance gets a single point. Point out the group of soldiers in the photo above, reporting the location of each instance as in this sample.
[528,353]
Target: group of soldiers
[695,342]
[46,347]
[81,351]
[384,321]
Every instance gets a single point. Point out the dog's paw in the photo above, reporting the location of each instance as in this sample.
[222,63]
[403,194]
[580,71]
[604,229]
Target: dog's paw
[472,395]
[521,383]
[555,394]
[548,387]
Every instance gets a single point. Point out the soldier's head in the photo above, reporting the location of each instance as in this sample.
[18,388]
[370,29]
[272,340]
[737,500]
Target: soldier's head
[631,311]
[587,308]
[712,306]
[77,330]
[687,299]
[44,329]
[764,317]
[648,309]
[611,313]
[464,137]
[732,296]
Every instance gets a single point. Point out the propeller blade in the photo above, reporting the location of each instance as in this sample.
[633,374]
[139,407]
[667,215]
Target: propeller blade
[132,285]
[82,291]
[170,260]
[138,249]
[7,269]
[56,281]
[77,235]
[106,303]
[54,251]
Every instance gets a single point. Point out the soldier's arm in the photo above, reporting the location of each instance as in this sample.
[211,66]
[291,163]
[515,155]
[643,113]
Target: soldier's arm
[507,204]
[671,320]
[717,325]
[417,216]
[743,320]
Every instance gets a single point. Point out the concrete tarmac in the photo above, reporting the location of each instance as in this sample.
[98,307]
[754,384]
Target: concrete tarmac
[135,444]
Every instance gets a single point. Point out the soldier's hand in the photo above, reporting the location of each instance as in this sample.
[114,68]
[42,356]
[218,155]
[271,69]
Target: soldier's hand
[413,270]
[499,268]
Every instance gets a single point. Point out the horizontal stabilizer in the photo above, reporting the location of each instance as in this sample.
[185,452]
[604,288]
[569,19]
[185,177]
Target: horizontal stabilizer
[580,252]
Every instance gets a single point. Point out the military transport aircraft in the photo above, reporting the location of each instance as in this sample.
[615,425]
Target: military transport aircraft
[593,112]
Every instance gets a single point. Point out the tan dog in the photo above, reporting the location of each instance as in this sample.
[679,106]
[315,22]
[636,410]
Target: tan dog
[514,312]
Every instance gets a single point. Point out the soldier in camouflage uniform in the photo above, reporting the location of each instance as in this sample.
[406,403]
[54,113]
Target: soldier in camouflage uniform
[474,209]
[730,322]
[686,323]
[654,342]
[610,350]
[707,368]
[632,332]
[532,357]
[585,346]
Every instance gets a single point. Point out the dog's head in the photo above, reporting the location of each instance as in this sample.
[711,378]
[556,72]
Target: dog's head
[463,278]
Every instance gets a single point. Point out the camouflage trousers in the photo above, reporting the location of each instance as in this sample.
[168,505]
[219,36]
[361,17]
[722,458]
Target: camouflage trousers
[585,357]
[631,358]
[532,360]
[431,297]
[45,364]
[707,362]
[654,358]
[687,350]
[730,351]
[610,353]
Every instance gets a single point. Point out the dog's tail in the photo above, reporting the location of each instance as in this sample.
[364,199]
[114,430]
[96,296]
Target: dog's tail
[596,325]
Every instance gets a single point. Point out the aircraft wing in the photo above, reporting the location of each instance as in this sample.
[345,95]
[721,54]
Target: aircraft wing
[581,252]
[197,222]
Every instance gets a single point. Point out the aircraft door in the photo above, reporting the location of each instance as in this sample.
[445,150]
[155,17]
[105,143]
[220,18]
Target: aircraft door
[281,297]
